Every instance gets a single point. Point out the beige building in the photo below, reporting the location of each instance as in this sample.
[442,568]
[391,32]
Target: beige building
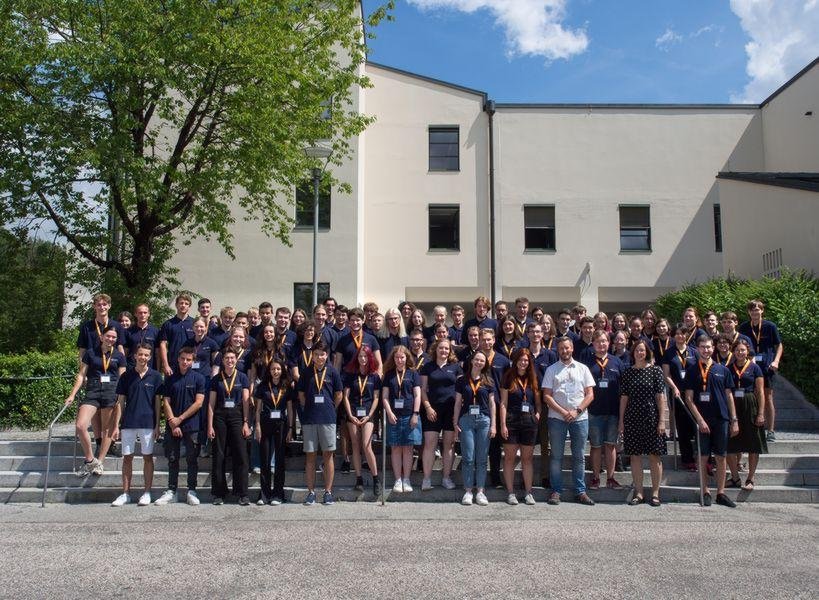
[455,196]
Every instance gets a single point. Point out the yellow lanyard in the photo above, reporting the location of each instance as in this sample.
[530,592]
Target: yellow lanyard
[357,340]
[229,388]
[602,366]
[400,378]
[704,372]
[362,385]
[475,389]
[106,361]
[521,385]
[277,398]
[320,384]
[307,360]
[420,363]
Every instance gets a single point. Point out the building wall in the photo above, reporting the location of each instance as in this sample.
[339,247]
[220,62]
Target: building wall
[763,219]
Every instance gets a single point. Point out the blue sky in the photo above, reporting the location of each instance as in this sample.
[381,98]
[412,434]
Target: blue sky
[654,51]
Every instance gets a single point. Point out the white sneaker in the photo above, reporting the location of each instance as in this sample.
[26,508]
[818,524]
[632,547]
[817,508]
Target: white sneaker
[426,485]
[448,483]
[144,499]
[122,500]
[407,485]
[467,499]
[257,470]
[481,500]
[529,500]
[512,500]
[167,497]
[193,498]
[96,467]
[398,486]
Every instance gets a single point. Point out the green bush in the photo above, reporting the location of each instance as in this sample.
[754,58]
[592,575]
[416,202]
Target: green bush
[33,387]
[792,302]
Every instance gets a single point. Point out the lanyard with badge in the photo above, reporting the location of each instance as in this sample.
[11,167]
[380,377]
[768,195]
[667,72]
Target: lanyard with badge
[474,408]
[603,383]
[739,392]
[663,348]
[704,395]
[399,401]
[308,359]
[318,398]
[683,356]
[525,406]
[758,357]
[100,329]
[229,401]
[105,377]
[361,410]
[276,413]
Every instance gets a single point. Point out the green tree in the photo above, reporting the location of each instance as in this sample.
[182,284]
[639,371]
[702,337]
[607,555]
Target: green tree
[144,117]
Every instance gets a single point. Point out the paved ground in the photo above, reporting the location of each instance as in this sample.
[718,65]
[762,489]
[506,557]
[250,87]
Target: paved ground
[409,551]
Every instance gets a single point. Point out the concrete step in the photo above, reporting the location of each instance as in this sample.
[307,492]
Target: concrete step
[800,425]
[668,494]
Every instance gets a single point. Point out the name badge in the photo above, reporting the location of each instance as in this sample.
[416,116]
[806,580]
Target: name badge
[197,364]
[740,393]
[230,404]
[318,399]
[275,414]
[526,407]
[705,397]
[257,381]
[682,373]
[361,412]
[399,403]
[603,383]
[474,409]
[105,379]
[758,358]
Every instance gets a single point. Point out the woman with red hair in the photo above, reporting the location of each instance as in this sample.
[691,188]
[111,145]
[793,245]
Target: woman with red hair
[361,390]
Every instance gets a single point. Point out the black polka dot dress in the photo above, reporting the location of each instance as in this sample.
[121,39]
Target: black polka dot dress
[641,417]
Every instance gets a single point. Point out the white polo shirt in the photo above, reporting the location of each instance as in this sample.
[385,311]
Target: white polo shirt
[568,384]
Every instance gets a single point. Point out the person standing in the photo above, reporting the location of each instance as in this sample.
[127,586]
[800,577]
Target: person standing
[174,334]
[362,389]
[274,423]
[401,395]
[140,332]
[567,389]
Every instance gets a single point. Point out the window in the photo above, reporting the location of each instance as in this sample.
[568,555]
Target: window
[305,199]
[772,263]
[539,227]
[635,229]
[444,149]
[444,227]
[303,295]
[717,228]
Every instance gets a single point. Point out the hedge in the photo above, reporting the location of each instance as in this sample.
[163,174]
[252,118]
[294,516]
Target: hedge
[791,301]
[33,387]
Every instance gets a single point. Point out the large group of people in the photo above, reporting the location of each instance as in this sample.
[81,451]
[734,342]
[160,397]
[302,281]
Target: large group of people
[241,385]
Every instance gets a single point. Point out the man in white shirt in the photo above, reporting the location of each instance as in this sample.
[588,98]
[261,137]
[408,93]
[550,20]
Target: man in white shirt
[567,390]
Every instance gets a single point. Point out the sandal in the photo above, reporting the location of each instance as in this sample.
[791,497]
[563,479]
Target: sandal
[636,500]
[655,501]
[733,483]
[749,485]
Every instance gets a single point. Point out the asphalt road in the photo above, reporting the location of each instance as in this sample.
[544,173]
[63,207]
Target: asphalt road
[359,550]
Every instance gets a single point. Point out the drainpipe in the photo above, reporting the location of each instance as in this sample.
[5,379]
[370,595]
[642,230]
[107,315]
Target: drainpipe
[489,109]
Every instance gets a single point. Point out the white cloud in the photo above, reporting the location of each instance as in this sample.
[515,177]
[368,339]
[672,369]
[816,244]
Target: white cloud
[532,27]
[667,39]
[784,38]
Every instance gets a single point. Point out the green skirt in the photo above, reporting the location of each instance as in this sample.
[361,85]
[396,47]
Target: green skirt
[750,438]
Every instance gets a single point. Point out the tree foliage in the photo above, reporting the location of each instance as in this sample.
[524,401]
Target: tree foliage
[163,114]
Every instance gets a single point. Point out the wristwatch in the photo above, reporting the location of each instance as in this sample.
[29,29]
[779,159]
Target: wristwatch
[579,411]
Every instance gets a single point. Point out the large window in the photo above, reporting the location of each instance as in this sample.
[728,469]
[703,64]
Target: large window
[305,200]
[303,295]
[635,229]
[444,148]
[444,227]
[539,227]
[717,228]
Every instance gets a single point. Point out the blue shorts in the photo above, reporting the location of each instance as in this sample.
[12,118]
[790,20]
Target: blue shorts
[400,434]
[716,441]
[603,429]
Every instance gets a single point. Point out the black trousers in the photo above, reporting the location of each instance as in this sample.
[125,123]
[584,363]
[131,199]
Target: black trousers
[685,433]
[172,447]
[274,436]
[228,427]
[495,449]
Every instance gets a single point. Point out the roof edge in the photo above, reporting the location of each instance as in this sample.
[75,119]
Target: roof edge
[592,105]
[797,181]
[432,80]
[790,81]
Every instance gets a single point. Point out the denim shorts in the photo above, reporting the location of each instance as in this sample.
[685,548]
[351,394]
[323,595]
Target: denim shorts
[400,434]
[603,429]
[716,441]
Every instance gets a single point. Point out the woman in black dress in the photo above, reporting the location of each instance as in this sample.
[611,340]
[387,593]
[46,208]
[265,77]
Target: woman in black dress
[642,419]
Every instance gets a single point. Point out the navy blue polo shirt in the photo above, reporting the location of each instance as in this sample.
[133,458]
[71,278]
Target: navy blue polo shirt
[347,346]
[420,360]
[745,378]
[114,360]
[441,381]
[692,338]
[219,335]
[274,401]
[300,357]
[329,336]
[402,390]
[487,323]
[507,348]
[764,339]
[90,331]
[720,380]
[181,391]
[390,342]
[429,334]
[521,325]
[498,363]
[516,397]
[324,384]
[659,348]
[354,382]
[482,398]
[204,355]
[140,394]
[679,363]
[456,334]
[543,359]
[606,396]
[243,360]
[227,392]
[569,334]
[582,350]
[465,355]
[176,332]
[633,340]
[135,336]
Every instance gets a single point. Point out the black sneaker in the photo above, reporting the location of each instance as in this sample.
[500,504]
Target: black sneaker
[376,486]
[706,500]
[244,501]
[359,484]
[114,451]
[217,501]
[345,466]
[724,500]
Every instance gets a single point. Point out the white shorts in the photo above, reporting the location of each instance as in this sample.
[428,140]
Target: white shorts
[129,439]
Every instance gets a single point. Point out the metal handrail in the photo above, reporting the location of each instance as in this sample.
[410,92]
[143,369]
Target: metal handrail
[699,448]
[383,455]
[48,452]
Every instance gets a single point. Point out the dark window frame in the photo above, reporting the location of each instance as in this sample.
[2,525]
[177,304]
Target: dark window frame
[532,228]
[630,231]
[323,292]
[305,198]
[440,158]
[433,235]
[717,228]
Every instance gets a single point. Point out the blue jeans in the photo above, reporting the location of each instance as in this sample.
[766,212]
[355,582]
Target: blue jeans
[474,449]
[578,432]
